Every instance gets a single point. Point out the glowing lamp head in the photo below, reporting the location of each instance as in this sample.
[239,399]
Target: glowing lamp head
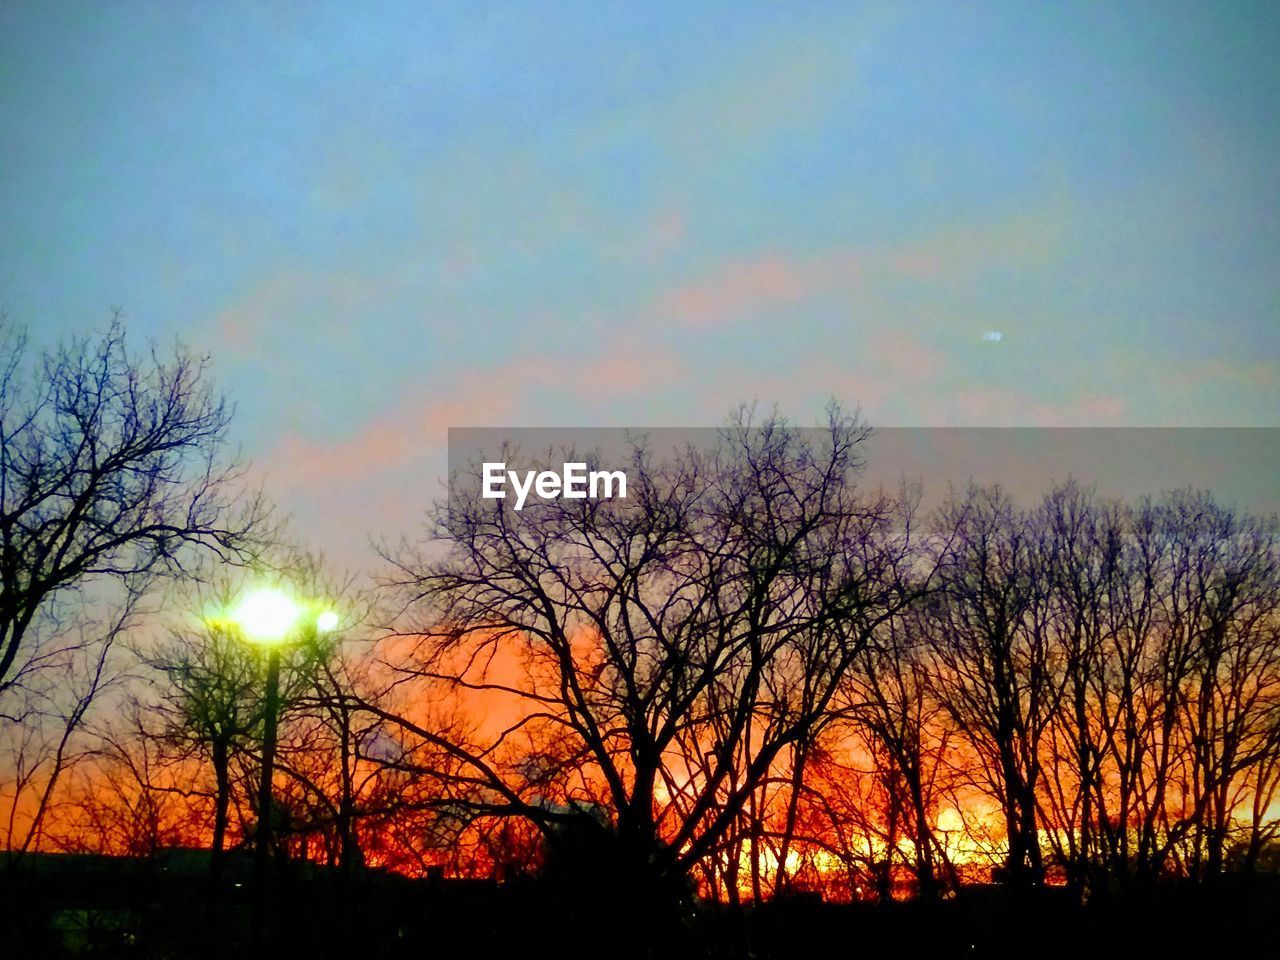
[328,620]
[266,615]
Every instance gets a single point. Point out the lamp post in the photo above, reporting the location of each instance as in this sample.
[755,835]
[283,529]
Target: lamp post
[266,617]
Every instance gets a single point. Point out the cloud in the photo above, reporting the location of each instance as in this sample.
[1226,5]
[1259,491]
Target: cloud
[999,406]
[381,476]
[291,302]
[748,286]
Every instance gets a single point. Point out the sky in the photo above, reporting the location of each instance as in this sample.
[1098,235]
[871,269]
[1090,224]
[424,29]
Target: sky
[384,220]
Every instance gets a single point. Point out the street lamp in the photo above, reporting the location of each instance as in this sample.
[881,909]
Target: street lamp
[266,617]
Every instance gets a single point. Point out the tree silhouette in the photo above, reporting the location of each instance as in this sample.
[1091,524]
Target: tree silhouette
[992,644]
[111,467]
[673,646]
[210,709]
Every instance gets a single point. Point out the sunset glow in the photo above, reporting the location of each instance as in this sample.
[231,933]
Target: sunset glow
[657,481]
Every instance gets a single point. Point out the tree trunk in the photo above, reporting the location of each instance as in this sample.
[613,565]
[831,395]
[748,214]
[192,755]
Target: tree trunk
[221,803]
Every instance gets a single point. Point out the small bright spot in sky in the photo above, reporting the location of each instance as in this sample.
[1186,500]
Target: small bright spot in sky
[993,336]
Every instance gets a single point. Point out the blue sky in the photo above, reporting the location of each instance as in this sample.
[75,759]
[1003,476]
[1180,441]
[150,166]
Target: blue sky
[383,220]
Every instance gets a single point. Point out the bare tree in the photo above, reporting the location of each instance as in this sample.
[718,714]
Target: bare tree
[341,764]
[1080,542]
[111,467]
[992,644]
[209,709]
[1232,603]
[112,478]
[891,708]
[130,796]
[712,615]
[67,667]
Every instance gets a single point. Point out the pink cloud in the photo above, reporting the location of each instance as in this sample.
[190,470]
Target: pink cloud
[875,374]
[629,367]
[1005,407]
[743,287]
[907,358]
[382,474]
[1255,374]
[268,311]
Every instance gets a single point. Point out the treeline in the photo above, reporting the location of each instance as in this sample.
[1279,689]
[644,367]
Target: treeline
[754,676]
[760,675]
[1093,686]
